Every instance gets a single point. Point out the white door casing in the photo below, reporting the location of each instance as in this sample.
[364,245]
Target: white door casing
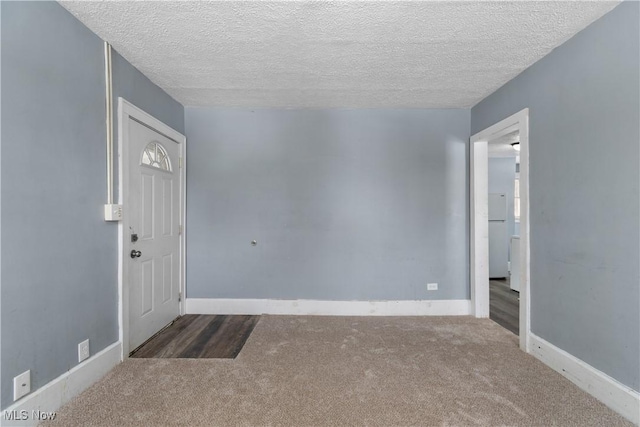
[152,195]
[479,233]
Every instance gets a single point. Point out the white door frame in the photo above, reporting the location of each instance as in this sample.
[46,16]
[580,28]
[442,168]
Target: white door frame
[479,227]
[127,111]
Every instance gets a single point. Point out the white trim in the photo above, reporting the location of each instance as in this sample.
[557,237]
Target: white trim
[479,235]
[479,229]
[329,308]
[609,391]
[51,396]
[182,165]
[127,110]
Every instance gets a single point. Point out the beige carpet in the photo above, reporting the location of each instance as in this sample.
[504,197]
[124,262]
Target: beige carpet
[346,371]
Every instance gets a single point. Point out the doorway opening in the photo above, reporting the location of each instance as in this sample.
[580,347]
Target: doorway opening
[490,230]
[151,235]
[504,236]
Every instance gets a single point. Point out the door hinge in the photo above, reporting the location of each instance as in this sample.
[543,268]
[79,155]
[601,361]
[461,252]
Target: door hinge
[180,162]
[179,296]
[180,230]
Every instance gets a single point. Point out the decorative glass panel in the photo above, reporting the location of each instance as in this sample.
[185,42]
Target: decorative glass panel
[156,156]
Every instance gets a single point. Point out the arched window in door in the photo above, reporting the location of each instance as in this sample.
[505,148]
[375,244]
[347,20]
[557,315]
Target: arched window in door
[155,155]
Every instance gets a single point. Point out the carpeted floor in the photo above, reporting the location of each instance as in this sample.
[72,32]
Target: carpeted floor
[346,371]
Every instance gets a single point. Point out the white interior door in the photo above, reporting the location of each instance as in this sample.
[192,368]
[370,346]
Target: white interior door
[154,218]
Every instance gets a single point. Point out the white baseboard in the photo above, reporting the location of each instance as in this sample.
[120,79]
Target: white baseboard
[329,308]
[609,391]
[50,397]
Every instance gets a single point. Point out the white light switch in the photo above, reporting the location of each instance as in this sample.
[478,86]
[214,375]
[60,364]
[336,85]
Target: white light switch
[432,286]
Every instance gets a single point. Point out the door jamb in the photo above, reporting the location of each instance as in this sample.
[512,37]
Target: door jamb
[127,110]
[479,216]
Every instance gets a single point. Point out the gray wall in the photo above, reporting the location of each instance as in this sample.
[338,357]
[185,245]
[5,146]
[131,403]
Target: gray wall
[502,175]
[135,87]
[584,109]
[344,204]
[59,266]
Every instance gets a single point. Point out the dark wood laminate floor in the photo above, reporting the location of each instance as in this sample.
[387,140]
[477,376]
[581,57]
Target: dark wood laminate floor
[504,306]
[196,336]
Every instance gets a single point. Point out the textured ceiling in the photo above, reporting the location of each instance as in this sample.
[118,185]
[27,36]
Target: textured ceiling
[318,54]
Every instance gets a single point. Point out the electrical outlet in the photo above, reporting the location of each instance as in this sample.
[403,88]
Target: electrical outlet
[83,350]
[21,385]
[432,286]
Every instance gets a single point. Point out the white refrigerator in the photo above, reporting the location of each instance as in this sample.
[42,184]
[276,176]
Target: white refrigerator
[498,236]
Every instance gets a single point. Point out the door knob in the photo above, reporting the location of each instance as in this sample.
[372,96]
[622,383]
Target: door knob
[136,254]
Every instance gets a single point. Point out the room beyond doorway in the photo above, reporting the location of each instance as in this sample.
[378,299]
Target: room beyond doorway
[504,229]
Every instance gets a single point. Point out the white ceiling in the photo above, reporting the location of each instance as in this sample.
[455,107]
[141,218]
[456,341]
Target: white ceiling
[322,54]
